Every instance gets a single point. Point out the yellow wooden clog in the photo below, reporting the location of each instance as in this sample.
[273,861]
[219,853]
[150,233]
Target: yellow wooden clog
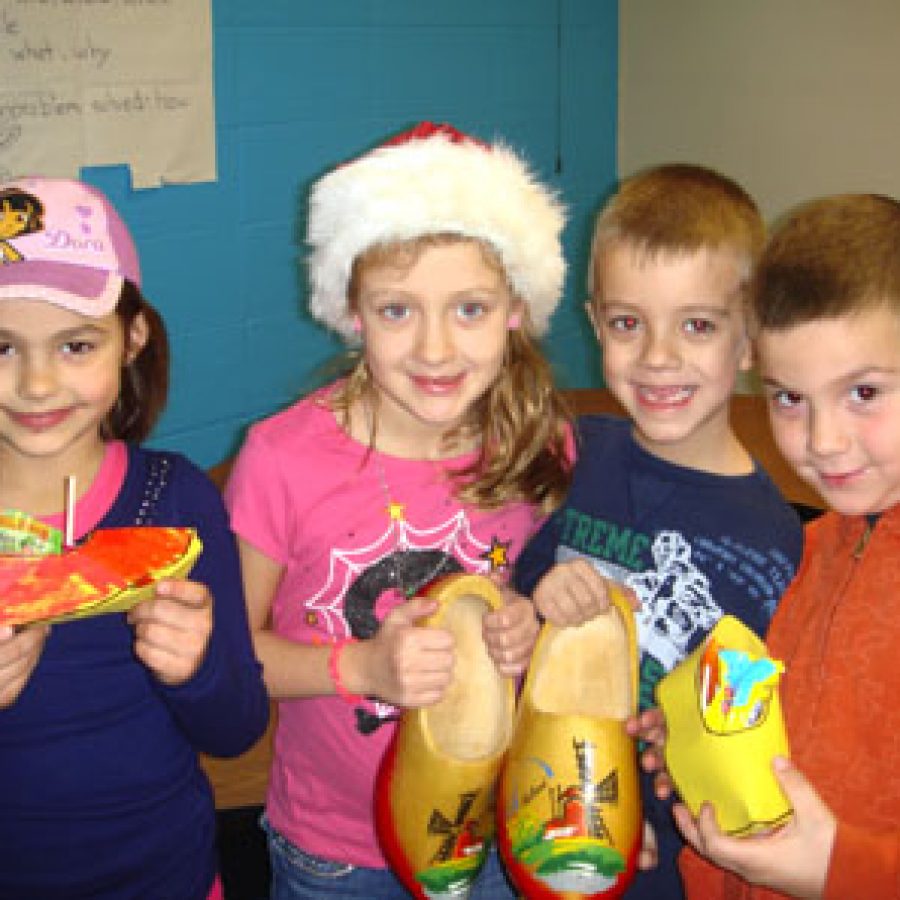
[434,797]
[569,803]
[708,761]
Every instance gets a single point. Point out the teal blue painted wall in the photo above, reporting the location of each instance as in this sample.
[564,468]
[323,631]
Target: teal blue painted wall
[303,84]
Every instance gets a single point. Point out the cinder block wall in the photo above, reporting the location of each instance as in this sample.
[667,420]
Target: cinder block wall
[303,84]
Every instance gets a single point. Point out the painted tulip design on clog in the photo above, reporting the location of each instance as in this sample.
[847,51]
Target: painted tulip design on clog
[568,803]
[434,796]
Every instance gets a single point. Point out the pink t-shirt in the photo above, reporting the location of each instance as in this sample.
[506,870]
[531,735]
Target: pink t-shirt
[342,522]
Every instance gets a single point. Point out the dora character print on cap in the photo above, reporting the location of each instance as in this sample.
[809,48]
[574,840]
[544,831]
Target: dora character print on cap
[20,213]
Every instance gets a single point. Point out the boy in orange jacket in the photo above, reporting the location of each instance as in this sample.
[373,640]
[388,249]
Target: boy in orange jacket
[827,314]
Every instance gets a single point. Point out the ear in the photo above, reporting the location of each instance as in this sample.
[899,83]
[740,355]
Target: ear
[137,337]
[514,320]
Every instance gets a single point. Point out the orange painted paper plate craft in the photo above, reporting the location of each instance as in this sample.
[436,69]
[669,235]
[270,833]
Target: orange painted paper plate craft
[434,795]
[111,571]
[569,799]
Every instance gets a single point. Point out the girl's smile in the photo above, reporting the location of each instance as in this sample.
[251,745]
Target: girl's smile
[438,385]
[40,421]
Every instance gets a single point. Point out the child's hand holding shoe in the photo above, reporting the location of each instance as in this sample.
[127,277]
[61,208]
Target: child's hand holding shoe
[572,593]
[793,858]
[510,633]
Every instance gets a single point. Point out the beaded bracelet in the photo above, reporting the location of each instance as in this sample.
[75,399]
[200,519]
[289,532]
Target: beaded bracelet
[334,659]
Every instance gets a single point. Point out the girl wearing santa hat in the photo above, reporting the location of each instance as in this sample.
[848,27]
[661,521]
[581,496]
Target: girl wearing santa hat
[438,259]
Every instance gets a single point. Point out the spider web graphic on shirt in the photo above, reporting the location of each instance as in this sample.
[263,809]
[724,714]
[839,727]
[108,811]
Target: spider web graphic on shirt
[453,538]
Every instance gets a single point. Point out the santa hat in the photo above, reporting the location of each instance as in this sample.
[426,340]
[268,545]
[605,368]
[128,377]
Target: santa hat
[433,180]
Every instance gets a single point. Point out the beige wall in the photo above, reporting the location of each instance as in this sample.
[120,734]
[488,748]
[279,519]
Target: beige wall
[793,98]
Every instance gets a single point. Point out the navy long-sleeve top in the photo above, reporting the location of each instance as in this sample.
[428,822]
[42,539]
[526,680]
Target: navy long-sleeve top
[101,792]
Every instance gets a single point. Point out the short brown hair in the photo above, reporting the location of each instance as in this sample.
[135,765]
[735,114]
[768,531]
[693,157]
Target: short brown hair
[830,257]
[144,382]
[678,208]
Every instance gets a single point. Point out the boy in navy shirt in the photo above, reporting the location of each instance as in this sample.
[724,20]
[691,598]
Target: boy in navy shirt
[668,502]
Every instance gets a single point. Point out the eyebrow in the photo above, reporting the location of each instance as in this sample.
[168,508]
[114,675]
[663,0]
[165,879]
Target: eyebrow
[693,309]
[400,294]
[867,372]
[81,329]
[88,328]
[854,377]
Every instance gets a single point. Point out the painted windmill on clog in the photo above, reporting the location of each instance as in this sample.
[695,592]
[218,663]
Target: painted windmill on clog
[569,801]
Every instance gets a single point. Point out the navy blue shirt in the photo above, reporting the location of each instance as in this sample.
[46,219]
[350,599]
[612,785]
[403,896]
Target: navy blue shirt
[691,544]
[101,792]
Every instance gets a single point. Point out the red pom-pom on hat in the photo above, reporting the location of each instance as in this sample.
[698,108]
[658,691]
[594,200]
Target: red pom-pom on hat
[425,130]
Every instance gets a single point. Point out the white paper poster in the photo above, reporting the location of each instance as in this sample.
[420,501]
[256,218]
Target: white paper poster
[101,82]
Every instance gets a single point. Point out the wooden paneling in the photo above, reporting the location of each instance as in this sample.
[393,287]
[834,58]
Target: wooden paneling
[242,781]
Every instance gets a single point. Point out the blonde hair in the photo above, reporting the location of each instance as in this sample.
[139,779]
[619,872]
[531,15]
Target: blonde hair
[677,208]
[831,257]
[522,420]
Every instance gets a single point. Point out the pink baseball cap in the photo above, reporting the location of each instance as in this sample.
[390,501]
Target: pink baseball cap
[61,241]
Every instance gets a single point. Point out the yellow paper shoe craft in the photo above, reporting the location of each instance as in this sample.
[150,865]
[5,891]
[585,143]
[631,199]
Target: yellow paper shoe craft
[434,795]
[569,802]
[723,714]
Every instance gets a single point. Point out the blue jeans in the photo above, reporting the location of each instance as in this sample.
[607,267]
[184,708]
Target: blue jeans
[298,875]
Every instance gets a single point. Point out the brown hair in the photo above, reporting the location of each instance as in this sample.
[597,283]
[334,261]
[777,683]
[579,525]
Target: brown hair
[522,420]
[830,257]
[677,208]
[144,382]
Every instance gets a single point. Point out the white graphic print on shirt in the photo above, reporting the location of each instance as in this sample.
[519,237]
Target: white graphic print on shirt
[365,583]
[675,599]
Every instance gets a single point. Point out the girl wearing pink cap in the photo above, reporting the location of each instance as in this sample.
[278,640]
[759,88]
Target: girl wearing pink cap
[438,258]
[101,718]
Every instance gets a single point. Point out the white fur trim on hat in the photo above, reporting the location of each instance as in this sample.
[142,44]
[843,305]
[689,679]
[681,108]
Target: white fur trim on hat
[433,185]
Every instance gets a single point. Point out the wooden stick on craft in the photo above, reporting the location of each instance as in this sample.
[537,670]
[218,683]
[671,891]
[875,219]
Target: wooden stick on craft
[69,534]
